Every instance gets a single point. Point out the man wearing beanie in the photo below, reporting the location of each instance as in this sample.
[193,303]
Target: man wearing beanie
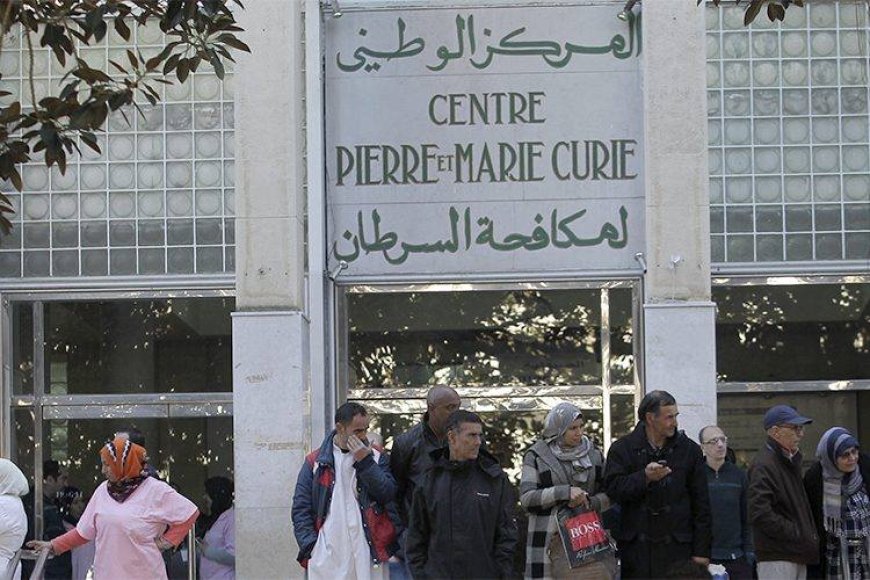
[779,511]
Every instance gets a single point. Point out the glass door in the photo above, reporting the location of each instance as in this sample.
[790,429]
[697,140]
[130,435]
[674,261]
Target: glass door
[85,366]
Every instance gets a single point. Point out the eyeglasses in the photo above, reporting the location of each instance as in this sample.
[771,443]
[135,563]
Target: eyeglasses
[795,428]
[723,440]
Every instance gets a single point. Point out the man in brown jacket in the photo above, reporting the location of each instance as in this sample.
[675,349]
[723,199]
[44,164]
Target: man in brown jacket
[779,512]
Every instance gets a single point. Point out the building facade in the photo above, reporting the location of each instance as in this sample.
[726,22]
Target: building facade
[531,202]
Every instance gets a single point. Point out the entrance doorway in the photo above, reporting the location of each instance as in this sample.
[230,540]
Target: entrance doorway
[512,351]
[83,366]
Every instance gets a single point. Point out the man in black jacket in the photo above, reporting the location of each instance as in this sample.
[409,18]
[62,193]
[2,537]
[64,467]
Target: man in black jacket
[462,523]
[411,455]
[656,474]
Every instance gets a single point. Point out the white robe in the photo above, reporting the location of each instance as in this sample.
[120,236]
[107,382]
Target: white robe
[13,528]
[341,550]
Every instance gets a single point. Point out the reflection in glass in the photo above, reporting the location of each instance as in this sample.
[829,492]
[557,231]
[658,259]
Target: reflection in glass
[148,346]
[622,416]
[22,348]
[621,337]
[482,338]
[23,441]
[786,333]
[185,451]
[740,415]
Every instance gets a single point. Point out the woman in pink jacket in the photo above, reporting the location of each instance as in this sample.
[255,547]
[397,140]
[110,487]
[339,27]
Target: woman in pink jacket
[131,518]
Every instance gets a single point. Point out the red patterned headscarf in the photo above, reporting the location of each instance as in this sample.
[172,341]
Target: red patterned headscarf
[126,461]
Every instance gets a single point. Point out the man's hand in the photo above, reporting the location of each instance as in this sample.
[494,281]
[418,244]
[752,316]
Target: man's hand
[656,471]
[700,560]
[578,498]
[358,448]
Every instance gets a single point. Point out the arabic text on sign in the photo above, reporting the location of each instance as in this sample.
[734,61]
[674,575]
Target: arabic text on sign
[466,234]
[513,43]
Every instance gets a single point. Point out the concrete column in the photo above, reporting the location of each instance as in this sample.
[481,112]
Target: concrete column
[679,318]
[271,398]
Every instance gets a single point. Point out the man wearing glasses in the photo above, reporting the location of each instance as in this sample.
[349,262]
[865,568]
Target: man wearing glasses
[782,523]
[732,539]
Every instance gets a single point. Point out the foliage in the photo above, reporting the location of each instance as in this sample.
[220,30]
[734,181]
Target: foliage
[198,31]
[775,8]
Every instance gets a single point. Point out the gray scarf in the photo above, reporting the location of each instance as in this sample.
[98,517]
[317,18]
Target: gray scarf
[557,422]
[837,487]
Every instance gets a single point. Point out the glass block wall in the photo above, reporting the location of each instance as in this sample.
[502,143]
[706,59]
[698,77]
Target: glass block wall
[157,200]
[788,128]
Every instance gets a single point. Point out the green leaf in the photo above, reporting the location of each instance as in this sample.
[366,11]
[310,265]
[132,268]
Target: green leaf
[171,63]
[775,12]
[182,70]
[752,11]
[232,41]
[155,61]
[10,112]
[90,140]
[100,30]
[121,28]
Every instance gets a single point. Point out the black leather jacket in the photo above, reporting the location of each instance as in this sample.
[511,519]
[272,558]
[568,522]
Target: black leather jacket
[410,459]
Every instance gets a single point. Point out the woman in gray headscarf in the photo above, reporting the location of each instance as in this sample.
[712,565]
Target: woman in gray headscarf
[562,468]
[13,521]
[838,487]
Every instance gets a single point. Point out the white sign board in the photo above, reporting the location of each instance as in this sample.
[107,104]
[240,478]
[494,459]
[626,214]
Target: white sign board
[498,140]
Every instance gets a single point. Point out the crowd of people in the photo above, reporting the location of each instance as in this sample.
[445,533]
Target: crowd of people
[440,506]
[130,527]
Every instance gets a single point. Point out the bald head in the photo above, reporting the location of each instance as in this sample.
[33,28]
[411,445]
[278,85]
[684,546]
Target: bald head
[440,402]
[439,394]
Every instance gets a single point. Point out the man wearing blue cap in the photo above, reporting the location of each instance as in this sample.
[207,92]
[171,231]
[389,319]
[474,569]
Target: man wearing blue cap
[779,511]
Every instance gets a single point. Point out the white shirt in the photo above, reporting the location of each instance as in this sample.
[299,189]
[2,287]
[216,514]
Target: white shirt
[341,550]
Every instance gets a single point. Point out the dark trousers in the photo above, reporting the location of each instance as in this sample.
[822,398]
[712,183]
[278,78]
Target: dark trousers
[738,569]
[644,559]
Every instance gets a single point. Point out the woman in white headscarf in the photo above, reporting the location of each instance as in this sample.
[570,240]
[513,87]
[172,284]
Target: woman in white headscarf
[13,520]
[838,487]
[562,468]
